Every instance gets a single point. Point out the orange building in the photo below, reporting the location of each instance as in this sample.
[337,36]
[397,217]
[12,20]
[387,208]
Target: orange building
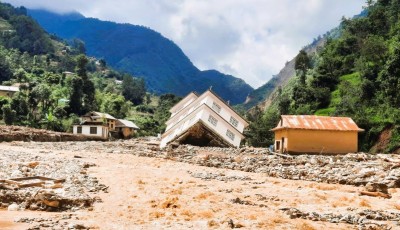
[316,134]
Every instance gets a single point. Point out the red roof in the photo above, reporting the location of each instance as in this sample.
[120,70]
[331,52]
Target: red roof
[312,122]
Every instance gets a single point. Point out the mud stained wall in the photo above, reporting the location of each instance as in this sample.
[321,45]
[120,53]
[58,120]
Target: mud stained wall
[318,141]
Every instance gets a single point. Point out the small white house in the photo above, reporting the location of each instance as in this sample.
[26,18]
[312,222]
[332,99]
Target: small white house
[91,129]
[95,124]
[204,120]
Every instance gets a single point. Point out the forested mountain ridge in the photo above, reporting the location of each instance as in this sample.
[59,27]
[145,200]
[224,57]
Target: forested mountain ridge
[142,52]
[57,82]
[356,74]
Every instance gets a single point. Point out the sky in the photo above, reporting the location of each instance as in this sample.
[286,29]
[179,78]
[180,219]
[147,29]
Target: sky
[250,39]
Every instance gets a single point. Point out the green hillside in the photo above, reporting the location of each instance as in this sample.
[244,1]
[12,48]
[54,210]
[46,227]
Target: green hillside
[142,52]
[356,74]
[57,82]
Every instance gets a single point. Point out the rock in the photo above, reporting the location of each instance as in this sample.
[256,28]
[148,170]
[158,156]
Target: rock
[52,203]
[376,187]
[13,207]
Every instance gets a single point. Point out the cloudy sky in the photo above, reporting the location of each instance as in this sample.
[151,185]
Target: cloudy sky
[250,39]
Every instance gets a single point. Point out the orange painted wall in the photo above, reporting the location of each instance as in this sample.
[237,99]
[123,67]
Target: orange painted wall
[318,141]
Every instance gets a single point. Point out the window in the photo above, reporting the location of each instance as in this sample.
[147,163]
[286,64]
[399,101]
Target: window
[93,130]
[79,129]
[230,135]
[216,107]
[212,120]
[233,121]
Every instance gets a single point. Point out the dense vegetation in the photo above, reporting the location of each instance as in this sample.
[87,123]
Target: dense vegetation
[142,52]
[58,82]
[356,74]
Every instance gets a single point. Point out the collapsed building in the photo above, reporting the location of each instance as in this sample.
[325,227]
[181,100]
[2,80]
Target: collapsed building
[204,120]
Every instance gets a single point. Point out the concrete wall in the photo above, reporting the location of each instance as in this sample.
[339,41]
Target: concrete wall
[102,131]
[6,93]
[317,141]
[221,127]
[225,111]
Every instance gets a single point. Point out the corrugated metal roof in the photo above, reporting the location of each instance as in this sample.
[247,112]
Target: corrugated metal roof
[317,123]
[105,115]
[126,123]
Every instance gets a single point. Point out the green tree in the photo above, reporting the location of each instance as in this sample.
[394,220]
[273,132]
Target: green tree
[301,65]
[75,99]
[5,70]
[133,90]
[88,89]
[8,114]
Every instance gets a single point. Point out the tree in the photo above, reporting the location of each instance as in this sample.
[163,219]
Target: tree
[75,99]
[133,89]
[8,114]
[87,97]
[301,65]
[259,134]
[5,70]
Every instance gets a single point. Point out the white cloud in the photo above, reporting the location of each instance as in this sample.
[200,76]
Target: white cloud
[249,39]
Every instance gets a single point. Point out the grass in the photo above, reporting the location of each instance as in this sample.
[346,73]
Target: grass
[354,79]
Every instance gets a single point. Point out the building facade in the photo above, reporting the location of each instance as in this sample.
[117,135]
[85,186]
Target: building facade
[91,129]
[316,135]
[125,129]
[8,91]
[204,120]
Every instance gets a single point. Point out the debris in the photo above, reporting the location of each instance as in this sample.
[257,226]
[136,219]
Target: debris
[13,207]
[376,194]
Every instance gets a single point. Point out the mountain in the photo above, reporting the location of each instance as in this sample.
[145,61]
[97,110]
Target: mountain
[355,74]
[144,53]
[265,94]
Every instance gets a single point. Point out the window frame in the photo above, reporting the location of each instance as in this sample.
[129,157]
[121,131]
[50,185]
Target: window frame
[212,120]
[216,107]
[234,122]
[91,130]
[230,134]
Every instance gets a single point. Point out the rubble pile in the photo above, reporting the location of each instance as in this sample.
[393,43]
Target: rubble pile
[20,133]
[351,169]
[65,221]
[71,194]
[365,219]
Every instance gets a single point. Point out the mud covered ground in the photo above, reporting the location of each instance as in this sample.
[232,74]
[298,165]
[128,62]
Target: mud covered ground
[134,185]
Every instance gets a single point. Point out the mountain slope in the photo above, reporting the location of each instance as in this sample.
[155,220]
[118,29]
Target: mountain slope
[263,95]
[142,52]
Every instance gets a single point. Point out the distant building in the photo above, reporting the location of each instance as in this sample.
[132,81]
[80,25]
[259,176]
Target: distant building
[104,125]
[95,124]
[125,128]
[8,91]
[204,120]
[316,134]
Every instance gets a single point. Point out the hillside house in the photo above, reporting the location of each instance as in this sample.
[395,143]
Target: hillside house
[125,128]
[8,91]
[95,124]
[204,120]
[316,134]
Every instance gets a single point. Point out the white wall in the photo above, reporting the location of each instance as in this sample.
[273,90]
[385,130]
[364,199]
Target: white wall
[221,127]
[225,111]
[101,130]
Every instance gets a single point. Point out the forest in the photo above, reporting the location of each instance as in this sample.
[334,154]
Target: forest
[58,82]
[356,74]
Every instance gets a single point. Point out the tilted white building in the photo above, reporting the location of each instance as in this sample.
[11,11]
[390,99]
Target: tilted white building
[204,120]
